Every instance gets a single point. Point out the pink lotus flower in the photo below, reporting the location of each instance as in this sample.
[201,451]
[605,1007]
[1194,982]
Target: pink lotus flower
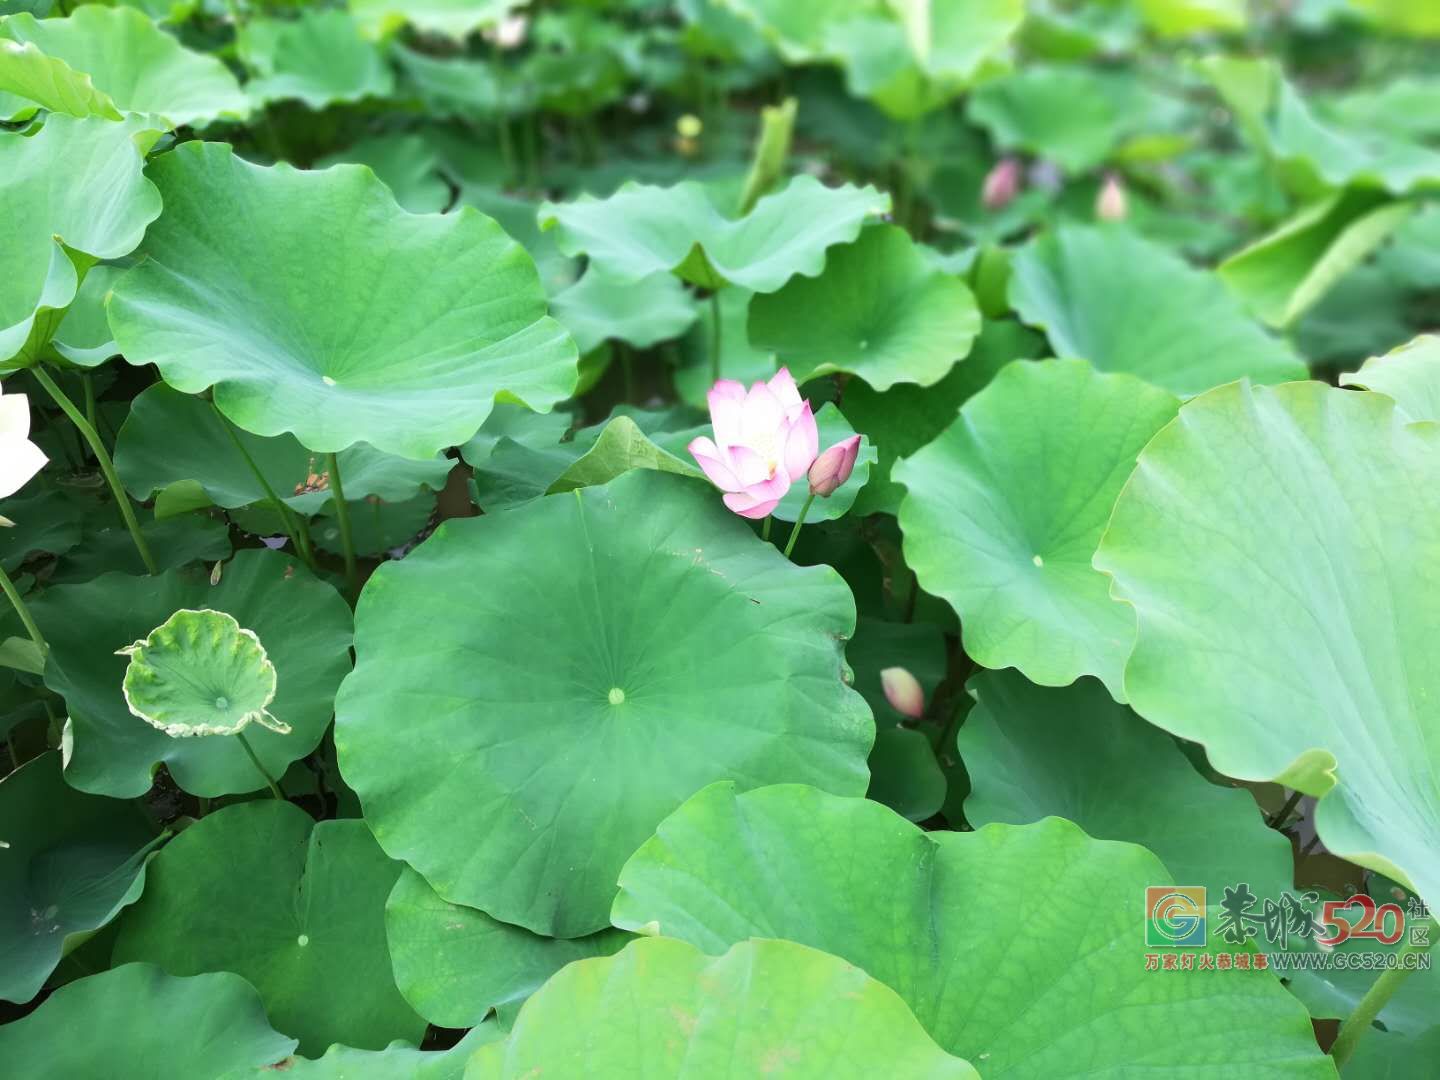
[1111,204]
[765,440]
[1002,184]
[834,466]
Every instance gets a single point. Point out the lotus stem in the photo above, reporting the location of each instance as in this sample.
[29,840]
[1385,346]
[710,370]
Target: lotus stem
[342,517]
[1375,999]
[89,384]
[716,337]
[800,520]
[255,760]
[294,525]
[13,594]
[765,527]
[102,456]
[1284,811]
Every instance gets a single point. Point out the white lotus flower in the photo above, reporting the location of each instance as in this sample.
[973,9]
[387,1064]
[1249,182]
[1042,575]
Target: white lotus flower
[20,459]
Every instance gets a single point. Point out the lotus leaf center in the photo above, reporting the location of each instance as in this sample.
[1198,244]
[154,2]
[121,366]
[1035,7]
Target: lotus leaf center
[617,696]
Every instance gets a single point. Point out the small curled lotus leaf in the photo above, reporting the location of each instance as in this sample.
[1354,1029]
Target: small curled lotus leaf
[201,673]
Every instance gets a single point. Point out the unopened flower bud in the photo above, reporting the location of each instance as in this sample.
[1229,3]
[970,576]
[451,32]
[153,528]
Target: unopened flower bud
[1002,184]
[1111,204]
[834,466]
[903,692]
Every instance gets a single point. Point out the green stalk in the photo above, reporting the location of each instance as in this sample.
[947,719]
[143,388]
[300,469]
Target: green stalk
[106,465]
[1375,999]
[765,527]
[716,339]
[8,587]
[1284,811]
[294,525]
[795,532]
[342,517]
[89,384]
[269,780]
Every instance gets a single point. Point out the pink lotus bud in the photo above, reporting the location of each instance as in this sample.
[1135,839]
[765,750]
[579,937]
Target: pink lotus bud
[834,466]
[765,440]
[903,692]
[1111,204]
[1002,184]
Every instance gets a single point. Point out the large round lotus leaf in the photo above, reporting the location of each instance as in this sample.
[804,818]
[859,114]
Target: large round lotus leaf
[643,230]
[1125,304]
[201,673]
[169,437]
[1004,510]
[1410,375]
[176,542]
[454,964]
[318,58]
[69,863]
[296,908]
[1070,114]
[30,80]
[139,66]
[597,309]
[1020,948]
[152,1024]
[396,1062]
[879,310]
[304,624]
[1034,752]
[662,1010]
[570,672]
[77,183]
[1281,549]
[406,162]
[457,18]
[320,308]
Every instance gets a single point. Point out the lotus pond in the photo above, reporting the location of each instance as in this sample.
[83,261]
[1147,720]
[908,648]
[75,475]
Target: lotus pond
[719,539]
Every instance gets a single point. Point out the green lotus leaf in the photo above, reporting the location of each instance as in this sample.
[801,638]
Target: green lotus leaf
[879,311]
[396,1062]
[908,58]
[597,309]
[1004,510]
[297,908]
[200,673]
[662,1010]
[1404,16]
[833,428]
[170,437]
[212,1023]
[1126,304]
[83,337]
[368,323]
[304,624]
[906,417]
[319,58]
[1277,545]
[48,521]
[618,447]
[1020,948]
[69,864]
[1284,274]
[643,230]
[454,964]
[454,18]
[74,186]
[408,165]
[1317,153]
[140,67]
[30,80]
[1177,18]
[1033,752]
[586,696]
[1072,115]
[1410,375]
[176,542]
